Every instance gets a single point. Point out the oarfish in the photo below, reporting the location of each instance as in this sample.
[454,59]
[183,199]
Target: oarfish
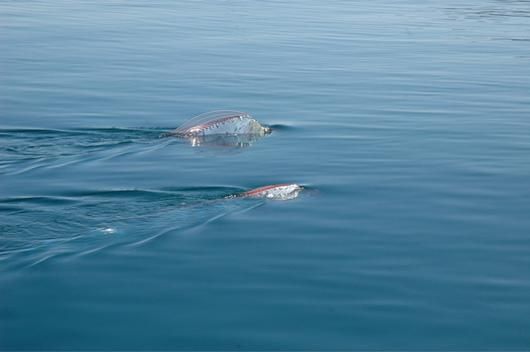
[225,122]
[284,191]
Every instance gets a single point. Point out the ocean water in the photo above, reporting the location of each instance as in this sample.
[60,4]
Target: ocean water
[407,121]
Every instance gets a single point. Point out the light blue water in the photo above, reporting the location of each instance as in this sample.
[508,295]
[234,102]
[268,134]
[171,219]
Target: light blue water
[409,121]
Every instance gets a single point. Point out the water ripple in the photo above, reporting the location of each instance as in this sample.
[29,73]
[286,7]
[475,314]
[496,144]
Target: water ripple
[38,228]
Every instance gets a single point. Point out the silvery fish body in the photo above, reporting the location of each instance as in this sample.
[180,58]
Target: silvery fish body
[225,122]
[283,191]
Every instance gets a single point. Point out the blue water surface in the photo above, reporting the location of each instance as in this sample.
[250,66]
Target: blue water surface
[408,122]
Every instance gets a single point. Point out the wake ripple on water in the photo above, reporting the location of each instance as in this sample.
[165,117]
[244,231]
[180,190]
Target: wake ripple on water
[79,221]
[23,150]
[35,229]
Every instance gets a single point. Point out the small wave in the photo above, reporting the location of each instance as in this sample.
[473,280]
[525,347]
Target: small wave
[282,127]
[37,229]
[40,200]
[27,150]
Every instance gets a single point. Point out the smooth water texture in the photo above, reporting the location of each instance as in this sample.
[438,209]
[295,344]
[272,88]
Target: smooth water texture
[408,122]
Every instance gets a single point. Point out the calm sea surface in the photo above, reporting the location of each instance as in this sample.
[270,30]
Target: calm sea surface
[408,121]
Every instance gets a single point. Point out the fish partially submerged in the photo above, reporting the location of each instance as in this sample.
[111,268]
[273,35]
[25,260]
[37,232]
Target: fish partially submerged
[284,191]
[223,122]
[224,140]
[233,128]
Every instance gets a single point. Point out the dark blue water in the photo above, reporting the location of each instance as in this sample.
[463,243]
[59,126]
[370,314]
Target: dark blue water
[408,121]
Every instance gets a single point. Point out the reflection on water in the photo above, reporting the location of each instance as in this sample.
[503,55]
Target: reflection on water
[233,141]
